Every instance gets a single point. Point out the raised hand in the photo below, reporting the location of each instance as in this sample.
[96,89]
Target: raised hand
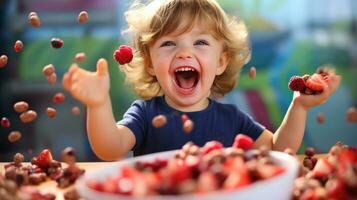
[308,101]
[91,88]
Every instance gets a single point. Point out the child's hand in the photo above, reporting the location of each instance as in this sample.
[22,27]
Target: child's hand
[91,88]
[308,101]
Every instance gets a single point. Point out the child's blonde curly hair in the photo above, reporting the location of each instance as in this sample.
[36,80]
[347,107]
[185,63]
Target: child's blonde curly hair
[161,17]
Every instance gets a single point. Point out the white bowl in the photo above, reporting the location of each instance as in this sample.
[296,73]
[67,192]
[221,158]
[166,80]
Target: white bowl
[279,187]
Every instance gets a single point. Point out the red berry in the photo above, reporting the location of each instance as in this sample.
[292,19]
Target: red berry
[3,60]
[18,46]
[123,55]
[243,142]
[43,159]
[316,83]
[56,43]
[58,98]
[5,122]
[297,83]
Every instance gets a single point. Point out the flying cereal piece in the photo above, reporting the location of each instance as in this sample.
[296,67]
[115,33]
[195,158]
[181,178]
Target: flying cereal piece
[5,122]
[3,60]
[52,79]
[14,136]
[58,98]
[51,112]
[187,126]
[56,43]
[159,121]
[76,110]
[351,115]
[320,118]
[80,57]
[28,116]
[252,72]
[18,46]
[83,17]
[34,20]
[48,70]
[21,106]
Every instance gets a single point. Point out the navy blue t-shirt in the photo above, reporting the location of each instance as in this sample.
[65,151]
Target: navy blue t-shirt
[221,122]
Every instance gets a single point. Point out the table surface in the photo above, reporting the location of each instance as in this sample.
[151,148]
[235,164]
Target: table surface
[51,186]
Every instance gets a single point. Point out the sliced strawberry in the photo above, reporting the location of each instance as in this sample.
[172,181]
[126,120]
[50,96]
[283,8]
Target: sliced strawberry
[237,178]
[43,159]
[316,82]
[207,182]
[322,168]
[267,171]
[210,146]
[243,142]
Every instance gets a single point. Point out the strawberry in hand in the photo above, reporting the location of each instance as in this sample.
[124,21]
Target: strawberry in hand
[316,83]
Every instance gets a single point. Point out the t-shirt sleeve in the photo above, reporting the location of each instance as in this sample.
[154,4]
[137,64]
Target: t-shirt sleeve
[135,119]
[248,126]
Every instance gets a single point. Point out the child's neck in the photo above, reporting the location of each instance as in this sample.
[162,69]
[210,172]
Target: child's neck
[201,105]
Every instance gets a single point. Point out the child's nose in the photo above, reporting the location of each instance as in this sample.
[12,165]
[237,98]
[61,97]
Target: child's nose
[184,53]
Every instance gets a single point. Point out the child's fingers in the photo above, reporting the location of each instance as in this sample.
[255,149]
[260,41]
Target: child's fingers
[102,67]
[66,82]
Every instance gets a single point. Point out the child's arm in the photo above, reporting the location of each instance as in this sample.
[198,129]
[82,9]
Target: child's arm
[109,141]
[291,131]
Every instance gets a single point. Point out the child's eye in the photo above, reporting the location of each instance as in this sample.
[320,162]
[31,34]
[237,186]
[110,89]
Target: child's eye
[167,43]
[201,42]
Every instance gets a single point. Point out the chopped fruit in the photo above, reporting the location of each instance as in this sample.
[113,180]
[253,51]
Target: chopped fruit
[3,61]
[297,83]
[80,57]
[320,118]
[243,142]
[83,17]
[211,146]
[351,115]
[43,159]
[323,168]
[188,126]
[34,20]
[123,55]
[48,70]
[252,72]
[316,83]
[5,122]
[267,171]
[159,121]
[52,79]
[18,46]
[14,136]
[56,43]
[309,152]
[184,118]
[58,98]
[28,116]
[51,112]
[76,110]
[21,106]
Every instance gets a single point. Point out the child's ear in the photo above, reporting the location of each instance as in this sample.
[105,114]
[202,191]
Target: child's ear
[223,62]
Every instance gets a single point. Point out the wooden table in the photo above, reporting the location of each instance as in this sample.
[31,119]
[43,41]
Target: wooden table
[51,186]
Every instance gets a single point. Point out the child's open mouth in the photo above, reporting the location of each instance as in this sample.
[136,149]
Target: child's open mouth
[186,77]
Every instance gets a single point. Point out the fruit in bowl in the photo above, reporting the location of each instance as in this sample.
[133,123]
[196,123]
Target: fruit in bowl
[208,172]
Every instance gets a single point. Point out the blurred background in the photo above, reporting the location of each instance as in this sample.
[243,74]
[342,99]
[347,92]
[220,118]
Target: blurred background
[288,38]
